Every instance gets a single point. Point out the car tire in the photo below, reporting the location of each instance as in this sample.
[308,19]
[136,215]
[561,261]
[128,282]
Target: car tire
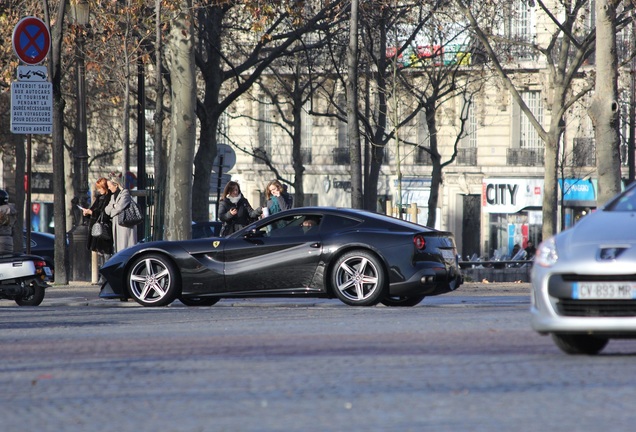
[398,301]
[33,299]
[199,301]
[579,344]
[153,280]
[358,279]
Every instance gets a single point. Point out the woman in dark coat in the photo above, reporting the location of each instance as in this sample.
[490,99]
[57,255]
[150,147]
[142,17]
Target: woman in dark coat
[235,210]
[100,245]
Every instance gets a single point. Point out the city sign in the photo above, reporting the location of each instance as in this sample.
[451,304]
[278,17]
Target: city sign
[31,40]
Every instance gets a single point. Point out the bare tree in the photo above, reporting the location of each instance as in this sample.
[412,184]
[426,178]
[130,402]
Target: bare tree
[236,45]
[569,44]
[180,61]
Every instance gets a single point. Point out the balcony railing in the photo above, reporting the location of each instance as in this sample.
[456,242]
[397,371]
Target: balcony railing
[584,152]
[525,157]
[422,157]
[305,156]
[341,156]
[467,156]
[260,155]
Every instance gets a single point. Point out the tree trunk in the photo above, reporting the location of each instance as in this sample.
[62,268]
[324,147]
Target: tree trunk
[180,53]
[159,150]
[605,108]
[436,172]
[352,110]
[297,159]
[59,193]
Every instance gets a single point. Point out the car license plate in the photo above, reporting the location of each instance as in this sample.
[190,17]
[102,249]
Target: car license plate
[604,290]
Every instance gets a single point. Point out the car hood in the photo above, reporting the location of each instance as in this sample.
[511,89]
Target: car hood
[598,244]
[601,228]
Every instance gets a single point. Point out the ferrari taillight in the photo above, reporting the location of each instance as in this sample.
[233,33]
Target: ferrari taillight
[420,242]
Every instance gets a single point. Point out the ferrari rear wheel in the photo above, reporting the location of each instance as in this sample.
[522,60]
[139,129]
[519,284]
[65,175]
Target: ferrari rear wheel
[152,280]
[579,343]
[400,301]
[358,279]
[199,301]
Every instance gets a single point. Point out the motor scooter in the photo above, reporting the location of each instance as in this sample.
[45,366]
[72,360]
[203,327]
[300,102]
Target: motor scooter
[23,278]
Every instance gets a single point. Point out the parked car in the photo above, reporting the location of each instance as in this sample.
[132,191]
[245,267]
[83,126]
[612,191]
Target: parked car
[43,245]
[359,257]
[206,229]
[583,279]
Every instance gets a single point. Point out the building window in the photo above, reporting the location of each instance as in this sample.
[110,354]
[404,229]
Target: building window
[584,152]
[520,28]
[307,133]
[341,156]
[467,152]
[422,156]
[264,148]
[222,128]
[343,135]
[529,137]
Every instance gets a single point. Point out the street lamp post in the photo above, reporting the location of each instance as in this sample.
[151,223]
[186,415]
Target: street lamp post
[80,258]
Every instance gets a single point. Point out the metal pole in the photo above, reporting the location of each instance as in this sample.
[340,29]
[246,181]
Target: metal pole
[218,185]
[28,194]
[80,257]
[632,112]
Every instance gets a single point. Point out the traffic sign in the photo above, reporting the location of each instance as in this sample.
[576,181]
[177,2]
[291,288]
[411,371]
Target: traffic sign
[32,73]
[226,154]
[31,40]
[31,107]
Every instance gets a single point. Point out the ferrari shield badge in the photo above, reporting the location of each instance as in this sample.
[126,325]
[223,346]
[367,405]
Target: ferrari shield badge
[216,243]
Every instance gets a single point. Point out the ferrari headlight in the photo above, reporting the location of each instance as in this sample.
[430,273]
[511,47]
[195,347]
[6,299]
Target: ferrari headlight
[547,254]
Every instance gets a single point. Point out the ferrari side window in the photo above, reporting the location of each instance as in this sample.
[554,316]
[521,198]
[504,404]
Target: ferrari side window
[281,227]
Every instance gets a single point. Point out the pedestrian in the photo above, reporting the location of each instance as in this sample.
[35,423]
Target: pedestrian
[123,237]
[104,247]
[235,210]
[277,198]
[530,250]
[8,216]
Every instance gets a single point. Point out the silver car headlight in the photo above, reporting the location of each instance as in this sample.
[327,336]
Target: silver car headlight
[547,254]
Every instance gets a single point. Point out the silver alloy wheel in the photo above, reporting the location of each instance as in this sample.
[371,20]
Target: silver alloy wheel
[152,281]
[358,279]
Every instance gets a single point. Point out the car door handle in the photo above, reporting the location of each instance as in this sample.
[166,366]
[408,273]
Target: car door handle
[315,245]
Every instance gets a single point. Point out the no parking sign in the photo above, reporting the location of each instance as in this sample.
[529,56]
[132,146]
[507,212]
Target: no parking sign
[31,40]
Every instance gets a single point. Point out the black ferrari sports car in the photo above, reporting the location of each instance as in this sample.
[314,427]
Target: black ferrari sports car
[359,257]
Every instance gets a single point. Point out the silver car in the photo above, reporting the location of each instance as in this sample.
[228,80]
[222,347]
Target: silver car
[584,279]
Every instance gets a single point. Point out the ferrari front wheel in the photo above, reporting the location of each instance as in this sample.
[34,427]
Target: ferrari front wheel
[153,280]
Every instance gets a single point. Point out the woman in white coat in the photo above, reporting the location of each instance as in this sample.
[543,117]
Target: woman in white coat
[123,237]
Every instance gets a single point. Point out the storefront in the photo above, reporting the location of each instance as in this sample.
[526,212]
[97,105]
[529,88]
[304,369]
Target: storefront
[578,199]
[512,209]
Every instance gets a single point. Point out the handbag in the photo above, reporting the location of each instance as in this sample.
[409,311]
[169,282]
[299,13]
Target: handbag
[130,216]
[101,229]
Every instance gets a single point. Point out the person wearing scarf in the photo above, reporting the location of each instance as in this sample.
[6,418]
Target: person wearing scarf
[235,210]
[277,199]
